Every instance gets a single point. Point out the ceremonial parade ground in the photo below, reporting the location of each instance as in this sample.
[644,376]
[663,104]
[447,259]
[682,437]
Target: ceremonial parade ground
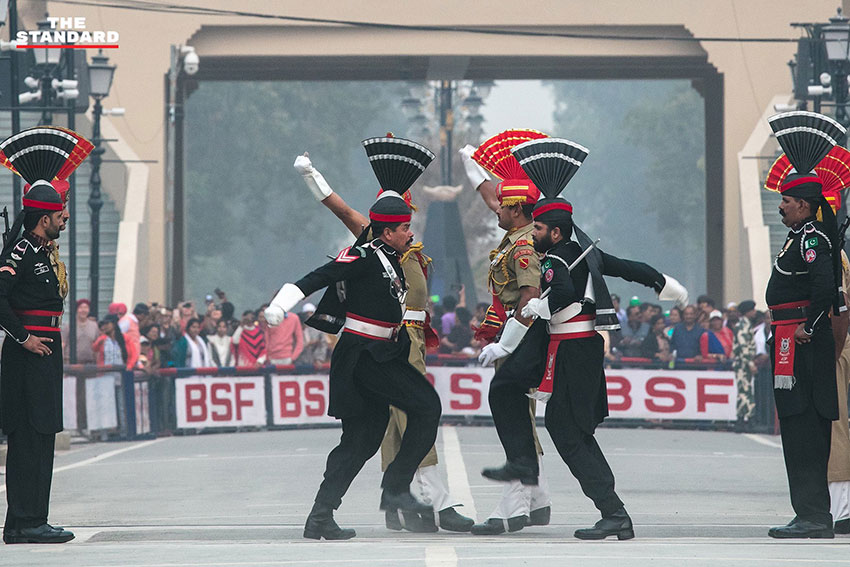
[697,498]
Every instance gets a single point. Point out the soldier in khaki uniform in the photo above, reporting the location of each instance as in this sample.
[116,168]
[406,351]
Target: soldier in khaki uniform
[428,486]
[513,279]
[838,469]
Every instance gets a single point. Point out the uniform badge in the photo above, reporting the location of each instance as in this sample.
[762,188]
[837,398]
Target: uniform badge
[15,256]
[40,268]
[785,346]
[810,255]
[547,264]
[8,269]
[523,263]
[811,242]
[523,252]
[550,273]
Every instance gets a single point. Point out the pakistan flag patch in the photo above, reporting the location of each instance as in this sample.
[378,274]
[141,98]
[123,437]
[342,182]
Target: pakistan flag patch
[811,243]
[546,265]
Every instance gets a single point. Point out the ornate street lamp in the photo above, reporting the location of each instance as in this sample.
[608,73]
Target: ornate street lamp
[100,81]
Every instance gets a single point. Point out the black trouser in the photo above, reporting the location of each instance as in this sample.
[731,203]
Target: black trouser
[29,472]
[395,383]
[577,447]
[806,439]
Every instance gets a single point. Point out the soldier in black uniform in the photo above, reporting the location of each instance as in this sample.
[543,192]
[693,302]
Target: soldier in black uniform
[31,303]
[562,354]
[369,366]
[803,288]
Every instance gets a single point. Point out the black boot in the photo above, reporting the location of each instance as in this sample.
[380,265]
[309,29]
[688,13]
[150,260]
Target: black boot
[320,524]
[842,527]
[513,470]
[618,524]
[452,521]
[540,517]
[403,501]
[392,520]
[496,526]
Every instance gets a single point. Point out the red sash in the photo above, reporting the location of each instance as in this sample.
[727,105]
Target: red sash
[784,346]
[544,390]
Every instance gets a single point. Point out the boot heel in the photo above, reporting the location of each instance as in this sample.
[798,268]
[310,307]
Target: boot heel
[627,533]
[529,481]
[310,534]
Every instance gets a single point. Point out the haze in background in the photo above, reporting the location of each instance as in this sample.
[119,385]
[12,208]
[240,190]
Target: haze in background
[252,224]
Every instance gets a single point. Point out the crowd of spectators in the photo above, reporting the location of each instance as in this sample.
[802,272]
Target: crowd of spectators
[152,336]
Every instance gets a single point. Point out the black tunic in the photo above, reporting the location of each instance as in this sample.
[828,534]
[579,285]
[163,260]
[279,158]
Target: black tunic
[803,271]
[368,294]
[579,362]
[30,385]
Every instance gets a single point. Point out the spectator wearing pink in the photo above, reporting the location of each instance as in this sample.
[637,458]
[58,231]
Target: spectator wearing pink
[129,325]
[249,341]
[284,342]
[118,309]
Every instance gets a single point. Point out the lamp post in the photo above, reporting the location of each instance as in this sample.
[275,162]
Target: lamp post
[100,81]
[444,227]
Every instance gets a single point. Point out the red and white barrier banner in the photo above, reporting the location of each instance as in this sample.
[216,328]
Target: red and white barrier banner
[220,402]
[463,391]
[673,394]
[298,399]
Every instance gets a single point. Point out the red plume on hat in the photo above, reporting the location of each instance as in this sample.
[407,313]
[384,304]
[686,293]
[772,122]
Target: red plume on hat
[833,172]
[45,153]
[495,156]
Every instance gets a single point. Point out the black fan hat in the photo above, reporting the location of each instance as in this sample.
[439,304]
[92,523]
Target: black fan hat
[397,162]
[806,137]
[550,162]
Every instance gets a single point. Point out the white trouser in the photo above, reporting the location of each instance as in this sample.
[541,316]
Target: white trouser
[428,487]
[520,500]
[839,500]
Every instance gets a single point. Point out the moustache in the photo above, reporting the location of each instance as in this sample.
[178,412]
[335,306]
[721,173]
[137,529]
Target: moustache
[781,213]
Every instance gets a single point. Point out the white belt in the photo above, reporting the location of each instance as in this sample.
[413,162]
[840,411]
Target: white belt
[414,315]
[571,327]
[369,329]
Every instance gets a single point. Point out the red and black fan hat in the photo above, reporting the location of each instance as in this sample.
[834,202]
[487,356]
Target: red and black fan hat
[495,156]
[551,163]
[44,153]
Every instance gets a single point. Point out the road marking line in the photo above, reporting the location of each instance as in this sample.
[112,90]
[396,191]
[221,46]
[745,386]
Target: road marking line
[100,457]
[440,556]
[456,471]
[761,439]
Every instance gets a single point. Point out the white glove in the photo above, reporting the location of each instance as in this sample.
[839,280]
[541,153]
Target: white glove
[474,172]
[512,335]
[491,353]
[674,291]
[284,301]
[314,180]
[537,307]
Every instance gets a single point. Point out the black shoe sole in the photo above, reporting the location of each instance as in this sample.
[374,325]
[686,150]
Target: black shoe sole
[823,534]
[524,480]
[319,535]
[625,534]
[15,539]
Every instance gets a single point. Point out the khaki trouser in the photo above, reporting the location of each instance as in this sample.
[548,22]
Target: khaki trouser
[398,419]
[839,452]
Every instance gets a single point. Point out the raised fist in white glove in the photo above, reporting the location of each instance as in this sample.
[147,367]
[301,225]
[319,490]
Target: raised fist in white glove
[274,315]
[491,353]
[314,180]
[474,172]
[537,307]
[303,165]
